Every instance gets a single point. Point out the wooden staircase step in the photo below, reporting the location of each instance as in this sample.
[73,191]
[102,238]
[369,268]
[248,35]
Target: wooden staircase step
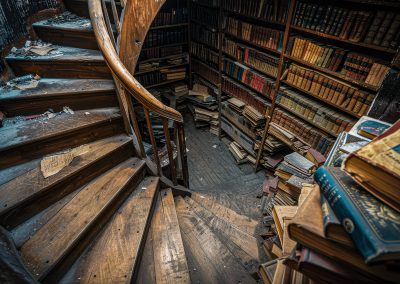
[169,254]
[30,192]
[61,240]
[80,7]
[115,255]
[242,222]
[67,29]
[63,62]
[245,247]
[33,139]
[210,261]
[56,93]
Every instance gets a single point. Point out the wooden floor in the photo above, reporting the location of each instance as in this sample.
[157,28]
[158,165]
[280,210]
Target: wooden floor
[213,171]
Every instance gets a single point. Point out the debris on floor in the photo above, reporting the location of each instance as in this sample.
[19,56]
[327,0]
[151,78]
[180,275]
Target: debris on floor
[35,48]
[24,83]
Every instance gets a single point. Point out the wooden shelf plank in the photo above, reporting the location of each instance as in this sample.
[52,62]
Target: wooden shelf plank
[166,45]
[163,83]
[169,26]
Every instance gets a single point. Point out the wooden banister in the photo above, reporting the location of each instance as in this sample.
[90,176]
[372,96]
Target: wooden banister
[117,66]
[121,56]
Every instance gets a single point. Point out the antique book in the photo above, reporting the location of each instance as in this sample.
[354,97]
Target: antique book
[300,163]
[333,229]
[373,226]
[316,157]
[279,213]
[368,127]
[376,167]
[307,229]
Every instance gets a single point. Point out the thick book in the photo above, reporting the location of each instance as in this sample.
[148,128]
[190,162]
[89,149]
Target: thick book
[373,226]
[299,162]
[368,127]
[307,229]
[376,167]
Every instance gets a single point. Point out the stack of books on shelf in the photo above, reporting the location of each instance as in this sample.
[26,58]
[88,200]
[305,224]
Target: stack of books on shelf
[238,152]
[380,28]
[160,52]
[204,53]
[162,75]
[275,11]
[244,74]
[260,61]
[256,118]
[171,17]
[237,90]
[261,36]
[314,112]
[203,117]
[346,229]
[152,65]
[334,91]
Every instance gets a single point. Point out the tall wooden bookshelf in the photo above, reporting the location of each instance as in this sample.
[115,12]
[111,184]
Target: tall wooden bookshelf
[286,22]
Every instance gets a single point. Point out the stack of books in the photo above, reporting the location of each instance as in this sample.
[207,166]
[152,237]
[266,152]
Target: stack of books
[238,152]
[256,118]
[203,117]
[179,89]
[236,105]
[346,228]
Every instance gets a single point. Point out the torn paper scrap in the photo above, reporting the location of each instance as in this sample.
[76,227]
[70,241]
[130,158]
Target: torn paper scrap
[53,164]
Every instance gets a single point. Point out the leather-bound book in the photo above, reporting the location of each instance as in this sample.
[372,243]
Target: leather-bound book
[376,166]
[373,29]
[383,28]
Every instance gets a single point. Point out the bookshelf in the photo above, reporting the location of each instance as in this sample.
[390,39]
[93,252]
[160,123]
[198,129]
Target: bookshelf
[242,24]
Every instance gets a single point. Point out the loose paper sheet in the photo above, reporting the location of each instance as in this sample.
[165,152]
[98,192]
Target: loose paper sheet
[51,165]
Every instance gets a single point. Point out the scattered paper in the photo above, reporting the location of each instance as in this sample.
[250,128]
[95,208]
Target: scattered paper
[27,85]
[214,146]
[51,165]
[68,110]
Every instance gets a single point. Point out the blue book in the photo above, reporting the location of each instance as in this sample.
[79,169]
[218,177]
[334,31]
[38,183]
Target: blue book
[373,226]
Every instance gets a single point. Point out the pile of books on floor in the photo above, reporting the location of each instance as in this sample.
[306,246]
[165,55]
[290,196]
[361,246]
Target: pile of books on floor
[238,152]
[345,227]
[255,117]
[288,138]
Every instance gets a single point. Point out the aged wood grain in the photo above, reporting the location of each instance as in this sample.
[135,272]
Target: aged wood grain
[169,253]
[115,254]
[30,193]
[33,139]
[44,250]
[146,272]
[216,262]
[242,222]
[242,245]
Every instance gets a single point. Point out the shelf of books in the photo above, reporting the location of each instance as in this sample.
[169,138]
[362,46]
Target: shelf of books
[316,65]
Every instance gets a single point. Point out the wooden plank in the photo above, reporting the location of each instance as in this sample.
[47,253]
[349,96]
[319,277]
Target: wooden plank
[169,253]
[146,272]
[33,139]
[242,222]
[115,255]
[84,213]
[78,94]
[30,192]
[244,246]
[216,264]
[71,62]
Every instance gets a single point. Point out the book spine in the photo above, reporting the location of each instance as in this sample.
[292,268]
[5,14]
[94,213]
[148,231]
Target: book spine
[347,213]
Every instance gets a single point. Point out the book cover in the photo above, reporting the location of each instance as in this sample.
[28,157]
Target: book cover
[373,226]
[370,126]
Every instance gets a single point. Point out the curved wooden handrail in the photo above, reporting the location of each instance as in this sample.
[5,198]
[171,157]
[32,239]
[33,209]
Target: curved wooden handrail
[120,71]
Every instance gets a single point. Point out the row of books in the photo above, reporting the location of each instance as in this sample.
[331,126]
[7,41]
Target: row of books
[205,71]
[268,10]
[148,66]
[163,37]
[159,52]
[313,137]
[242,93]
[330,89]
[204,53]
[355,66]
[380,28]
[172,17]
[210,3]
[205,15]
[259,35]
[162,75]
[204,36]
[249,77]
[310,110]
[258,60]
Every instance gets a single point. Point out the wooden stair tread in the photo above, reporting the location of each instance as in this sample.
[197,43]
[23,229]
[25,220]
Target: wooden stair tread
[169,254]
[33,131]
[45,249]
[209,259]
[56,93]
[62,22]
[244,246]
[58,87]
[63,53]
[31,184]
[242,222]
[114,255]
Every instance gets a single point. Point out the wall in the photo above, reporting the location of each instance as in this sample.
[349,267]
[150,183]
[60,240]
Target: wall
[13,19]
